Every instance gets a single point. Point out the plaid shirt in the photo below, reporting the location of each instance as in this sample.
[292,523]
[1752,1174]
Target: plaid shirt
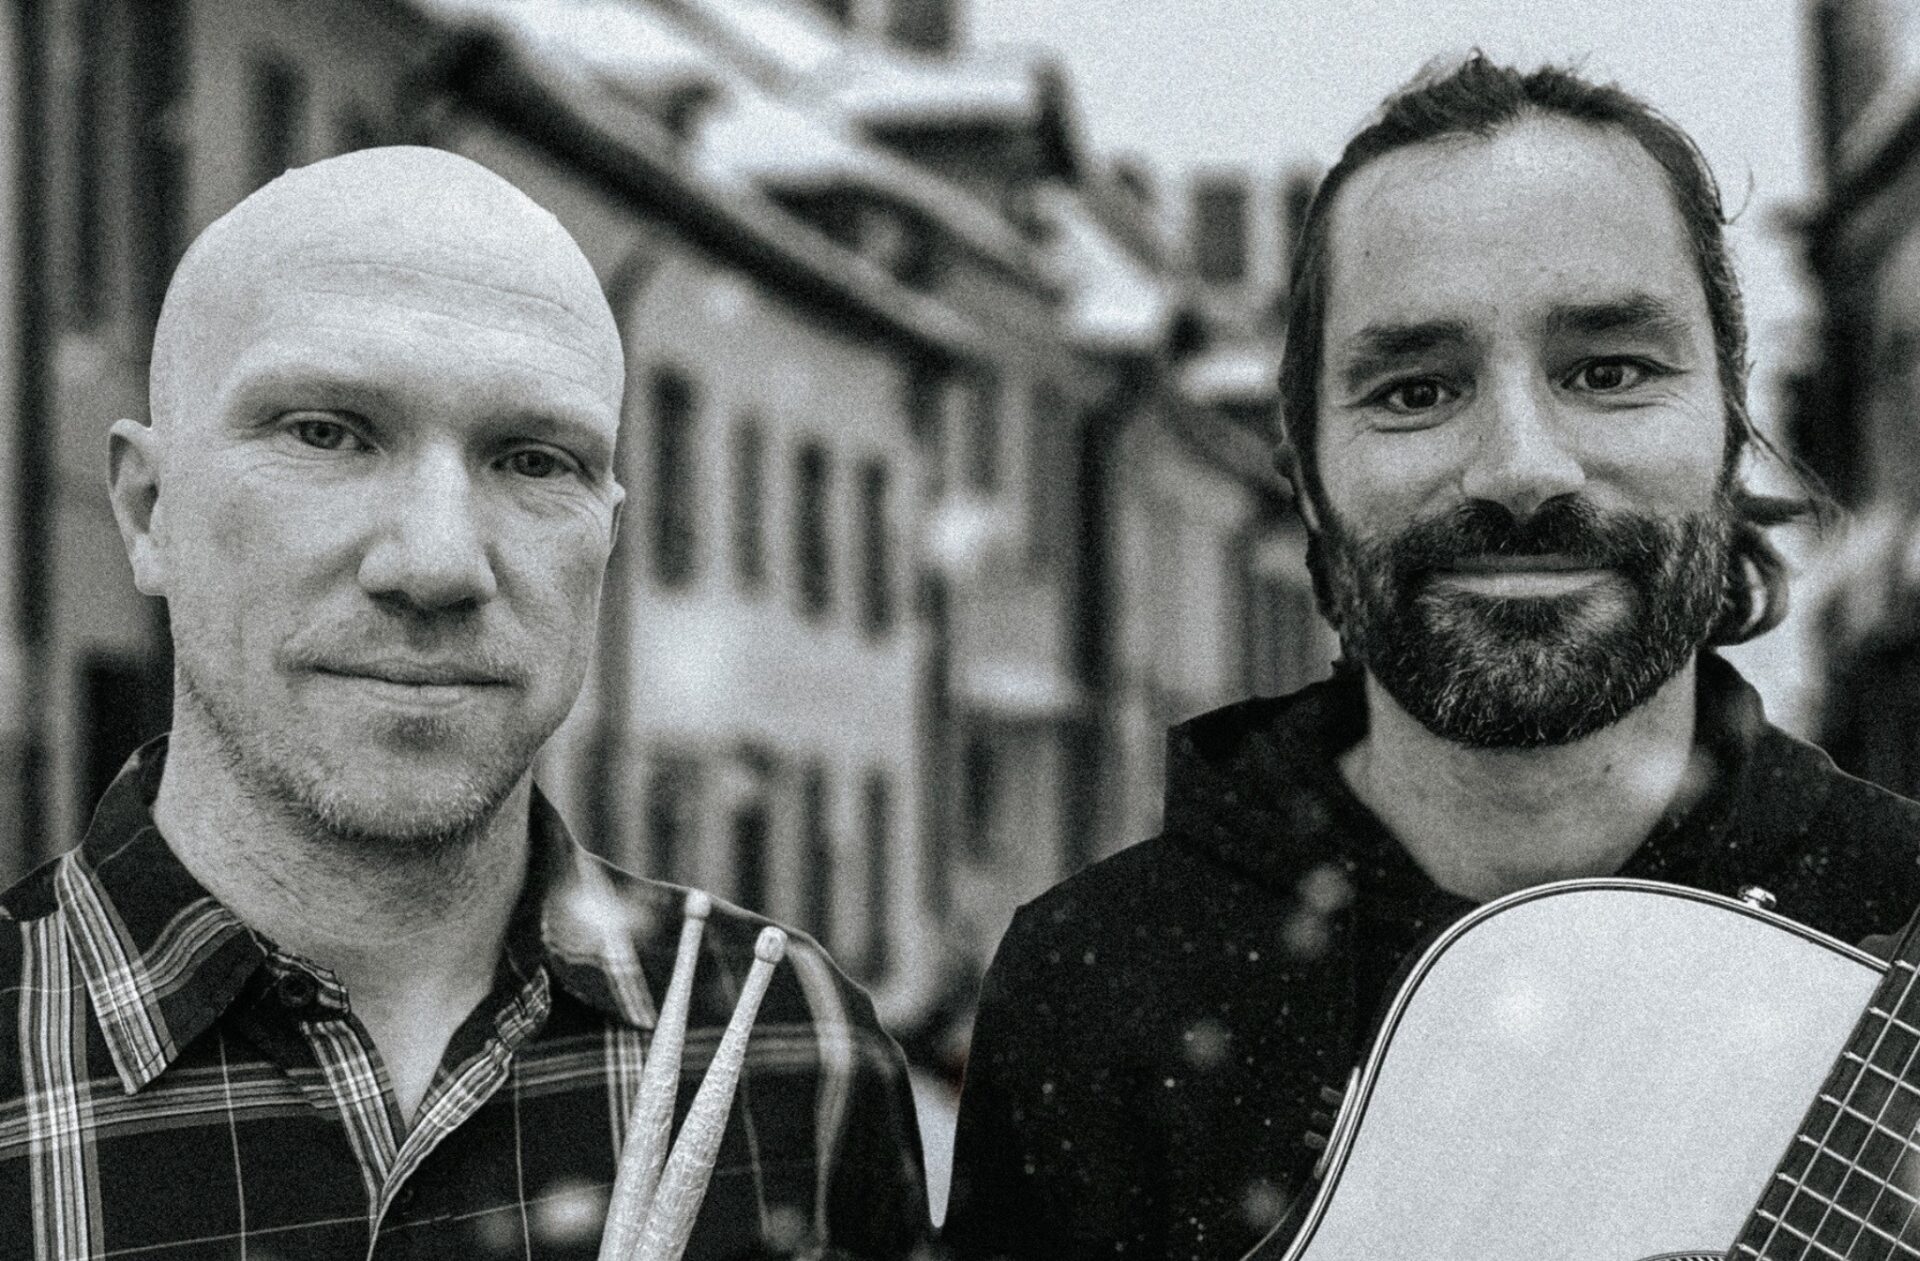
[173,1086]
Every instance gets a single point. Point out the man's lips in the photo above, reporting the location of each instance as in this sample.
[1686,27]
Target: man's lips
[1521,576]
[1491,564]
[415,673]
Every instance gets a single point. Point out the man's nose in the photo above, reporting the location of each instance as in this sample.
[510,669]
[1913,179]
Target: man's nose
[1521,457]
[432,549]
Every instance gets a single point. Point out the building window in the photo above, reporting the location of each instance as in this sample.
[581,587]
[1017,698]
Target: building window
[926,422]
[672,813]
[876,551]
[922,25]
[674,469]
[1220,229]
[157,96]
[816,822]
[88,216]
[278,95]
[752,829]
[750,503]
[983,457]
[902,244]
[1296,197]
[355,129]
[978,796]
[879,839]
[813,542]
[1054,477]
[936,804]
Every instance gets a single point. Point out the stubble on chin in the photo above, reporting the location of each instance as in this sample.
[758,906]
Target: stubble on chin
[381,806]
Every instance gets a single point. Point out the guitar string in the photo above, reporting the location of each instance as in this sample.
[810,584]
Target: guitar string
[1890,1019]
[1842,1106]
[1780,1223]
[1797,1184]
[1904,1141]
[1876,1126]
[1910,1200]
[1906,1146]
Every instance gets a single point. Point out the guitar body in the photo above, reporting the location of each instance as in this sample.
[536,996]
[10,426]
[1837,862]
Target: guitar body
[1597,1070]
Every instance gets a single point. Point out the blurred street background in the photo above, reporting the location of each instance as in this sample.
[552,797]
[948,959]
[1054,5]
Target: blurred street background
[952,329]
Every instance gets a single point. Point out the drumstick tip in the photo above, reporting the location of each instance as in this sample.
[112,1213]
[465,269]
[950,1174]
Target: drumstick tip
[699,904]
[772,945]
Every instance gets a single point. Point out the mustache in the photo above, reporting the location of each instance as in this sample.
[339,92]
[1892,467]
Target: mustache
[416,649]
[1568,527]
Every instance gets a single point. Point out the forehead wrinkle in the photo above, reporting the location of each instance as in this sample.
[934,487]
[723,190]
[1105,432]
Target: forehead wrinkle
[375,268]
[418,205]
[341,375]
[451,314]
[354,368]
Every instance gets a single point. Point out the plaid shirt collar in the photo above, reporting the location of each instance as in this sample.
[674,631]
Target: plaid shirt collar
[163,959]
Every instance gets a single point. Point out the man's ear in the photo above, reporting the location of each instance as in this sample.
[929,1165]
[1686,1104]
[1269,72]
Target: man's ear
[133,487]
[1289,466]
[613,528]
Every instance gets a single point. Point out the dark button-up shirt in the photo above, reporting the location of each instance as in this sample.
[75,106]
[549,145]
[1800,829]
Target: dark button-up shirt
[173,1085]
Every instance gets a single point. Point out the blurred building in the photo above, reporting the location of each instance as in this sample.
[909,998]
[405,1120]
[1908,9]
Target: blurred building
[100,153]
[1855,417]
[19,629]
[1216,603]
[948,465]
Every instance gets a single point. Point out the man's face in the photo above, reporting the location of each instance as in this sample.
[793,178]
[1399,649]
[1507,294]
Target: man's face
[1522,438]
[386,508]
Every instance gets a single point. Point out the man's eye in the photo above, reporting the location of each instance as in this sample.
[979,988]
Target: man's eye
[1608,376]
[1409,398]
[324,434]
[535,462]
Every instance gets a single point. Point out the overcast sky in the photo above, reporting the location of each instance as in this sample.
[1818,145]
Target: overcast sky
[1267,84]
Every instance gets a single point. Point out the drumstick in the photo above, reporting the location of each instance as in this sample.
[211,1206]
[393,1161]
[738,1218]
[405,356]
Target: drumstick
[650,1127]
[684,1183]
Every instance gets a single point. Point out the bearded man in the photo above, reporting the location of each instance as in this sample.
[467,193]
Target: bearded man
[1513,395]
[327,977]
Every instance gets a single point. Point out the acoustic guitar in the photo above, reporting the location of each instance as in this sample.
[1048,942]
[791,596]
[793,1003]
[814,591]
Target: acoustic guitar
[1620,1070]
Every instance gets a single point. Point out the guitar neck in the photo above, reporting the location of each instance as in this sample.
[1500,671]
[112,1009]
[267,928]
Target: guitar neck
[1848,1188]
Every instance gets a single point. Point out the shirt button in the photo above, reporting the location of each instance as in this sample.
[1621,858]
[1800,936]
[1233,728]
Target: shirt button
[296,991]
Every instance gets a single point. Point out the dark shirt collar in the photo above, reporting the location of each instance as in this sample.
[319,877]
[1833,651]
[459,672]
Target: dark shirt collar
[1257,786]
[163,959]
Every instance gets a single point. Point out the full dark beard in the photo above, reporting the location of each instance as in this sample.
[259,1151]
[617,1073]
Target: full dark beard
[1522,672]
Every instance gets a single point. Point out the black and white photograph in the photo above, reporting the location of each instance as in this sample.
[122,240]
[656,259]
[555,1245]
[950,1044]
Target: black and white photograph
[959,630]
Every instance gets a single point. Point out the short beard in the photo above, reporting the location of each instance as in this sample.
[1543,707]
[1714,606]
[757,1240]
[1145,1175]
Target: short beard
[1518,673]
[295,785]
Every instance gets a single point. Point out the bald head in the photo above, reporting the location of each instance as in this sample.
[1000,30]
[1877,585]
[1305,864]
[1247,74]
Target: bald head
[378,495]
[430,223]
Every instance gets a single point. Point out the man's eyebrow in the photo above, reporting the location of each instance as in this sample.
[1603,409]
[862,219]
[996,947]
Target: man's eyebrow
[1378,348]
[333,382]
[590,440]
[1635,313]
[343,385]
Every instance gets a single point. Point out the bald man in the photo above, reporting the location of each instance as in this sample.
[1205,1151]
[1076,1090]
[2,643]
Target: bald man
[327,977]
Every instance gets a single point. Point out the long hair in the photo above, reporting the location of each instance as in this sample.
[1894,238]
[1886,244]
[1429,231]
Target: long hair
[1478,99]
